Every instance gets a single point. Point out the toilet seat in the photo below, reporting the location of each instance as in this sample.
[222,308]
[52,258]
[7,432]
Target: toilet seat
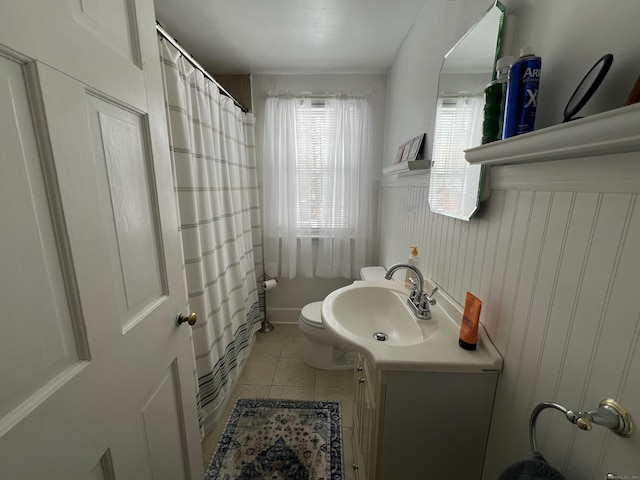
[311,315]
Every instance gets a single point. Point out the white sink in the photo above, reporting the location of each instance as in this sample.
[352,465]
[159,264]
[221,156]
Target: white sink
[372,317]
[373,313]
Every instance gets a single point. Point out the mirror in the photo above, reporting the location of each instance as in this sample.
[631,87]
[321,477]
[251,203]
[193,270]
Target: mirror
[454,185]
[587,87]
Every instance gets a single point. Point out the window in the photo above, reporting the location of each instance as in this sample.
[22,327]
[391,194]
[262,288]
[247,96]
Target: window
[321,204]
[317,185]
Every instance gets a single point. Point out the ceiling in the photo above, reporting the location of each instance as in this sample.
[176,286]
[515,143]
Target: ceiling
[290,36]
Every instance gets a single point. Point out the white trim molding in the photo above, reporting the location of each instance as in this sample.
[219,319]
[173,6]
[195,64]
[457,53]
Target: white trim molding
[419,178]
[609,133]
[406,167]
[612,174]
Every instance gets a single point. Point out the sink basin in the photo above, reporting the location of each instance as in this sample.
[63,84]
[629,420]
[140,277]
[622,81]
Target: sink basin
[373,313]
[373,318]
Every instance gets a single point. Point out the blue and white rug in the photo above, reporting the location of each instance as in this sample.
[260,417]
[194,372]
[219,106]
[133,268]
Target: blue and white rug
[268,439]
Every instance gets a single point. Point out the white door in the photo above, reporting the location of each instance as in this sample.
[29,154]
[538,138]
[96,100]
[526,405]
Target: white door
[96,379]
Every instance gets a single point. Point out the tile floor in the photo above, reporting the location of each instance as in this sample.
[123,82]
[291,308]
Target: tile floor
[275,369]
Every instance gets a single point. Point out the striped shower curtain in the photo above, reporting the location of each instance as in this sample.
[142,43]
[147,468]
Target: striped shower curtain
[215,180]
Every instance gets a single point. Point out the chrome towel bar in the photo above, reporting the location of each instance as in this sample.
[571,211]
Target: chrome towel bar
[609,414]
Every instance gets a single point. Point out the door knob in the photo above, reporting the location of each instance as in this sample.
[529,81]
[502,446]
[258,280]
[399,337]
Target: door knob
[190,319]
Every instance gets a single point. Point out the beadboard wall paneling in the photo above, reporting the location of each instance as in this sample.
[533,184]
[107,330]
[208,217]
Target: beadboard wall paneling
[558,272]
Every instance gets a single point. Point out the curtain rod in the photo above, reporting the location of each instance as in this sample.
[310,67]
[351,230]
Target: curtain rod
[314,95]
[195,63]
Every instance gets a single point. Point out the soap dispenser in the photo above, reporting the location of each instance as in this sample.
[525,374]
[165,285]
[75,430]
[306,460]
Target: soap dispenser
[412,260]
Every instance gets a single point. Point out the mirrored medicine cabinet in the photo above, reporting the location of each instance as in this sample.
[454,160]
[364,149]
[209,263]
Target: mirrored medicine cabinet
[454,185]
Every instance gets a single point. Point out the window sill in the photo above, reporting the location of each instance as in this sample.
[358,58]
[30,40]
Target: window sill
[316,238]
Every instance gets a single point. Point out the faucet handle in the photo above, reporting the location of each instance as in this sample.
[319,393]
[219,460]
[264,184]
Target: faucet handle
[429,297]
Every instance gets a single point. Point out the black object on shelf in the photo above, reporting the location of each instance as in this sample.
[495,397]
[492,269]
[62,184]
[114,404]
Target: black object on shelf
[587,87]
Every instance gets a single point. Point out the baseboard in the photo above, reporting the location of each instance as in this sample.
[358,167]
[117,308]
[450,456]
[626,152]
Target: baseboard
[283,315]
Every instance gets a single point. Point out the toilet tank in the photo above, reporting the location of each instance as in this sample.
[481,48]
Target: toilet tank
[372,273]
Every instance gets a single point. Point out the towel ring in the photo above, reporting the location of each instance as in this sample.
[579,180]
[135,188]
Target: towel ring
[609,413]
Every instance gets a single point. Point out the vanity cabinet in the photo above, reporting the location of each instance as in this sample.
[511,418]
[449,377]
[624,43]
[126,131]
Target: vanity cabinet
[415,424]
[366,429]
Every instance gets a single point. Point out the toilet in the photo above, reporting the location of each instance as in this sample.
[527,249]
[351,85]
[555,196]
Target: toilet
[323,351]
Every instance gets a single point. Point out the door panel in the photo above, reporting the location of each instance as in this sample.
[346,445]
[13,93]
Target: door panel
[103,469]
[164,428]
[110,23]
[121,144]
[40,329]
[51,33]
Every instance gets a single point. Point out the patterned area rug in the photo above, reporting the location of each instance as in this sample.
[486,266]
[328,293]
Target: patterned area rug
[267,439]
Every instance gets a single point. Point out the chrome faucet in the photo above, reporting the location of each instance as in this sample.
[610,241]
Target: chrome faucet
[418,300]
[419,287]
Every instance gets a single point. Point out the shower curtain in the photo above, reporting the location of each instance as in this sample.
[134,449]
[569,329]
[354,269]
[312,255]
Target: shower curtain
[215,181]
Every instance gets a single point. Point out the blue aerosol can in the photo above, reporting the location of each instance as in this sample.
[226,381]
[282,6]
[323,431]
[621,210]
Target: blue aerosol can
[522,94]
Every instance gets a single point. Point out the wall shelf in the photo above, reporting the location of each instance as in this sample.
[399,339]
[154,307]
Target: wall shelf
[406,167]
[613,132]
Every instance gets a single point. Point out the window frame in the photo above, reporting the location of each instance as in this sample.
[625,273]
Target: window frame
[310,165]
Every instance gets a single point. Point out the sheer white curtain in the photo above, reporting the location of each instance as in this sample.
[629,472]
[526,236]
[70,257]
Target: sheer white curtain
[317,186]
[215,180]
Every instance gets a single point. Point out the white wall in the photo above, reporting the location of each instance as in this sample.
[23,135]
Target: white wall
[285,301]
[554,268]
[569,35]
[413,79]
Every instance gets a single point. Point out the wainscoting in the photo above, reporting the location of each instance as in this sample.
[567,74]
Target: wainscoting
[554,254]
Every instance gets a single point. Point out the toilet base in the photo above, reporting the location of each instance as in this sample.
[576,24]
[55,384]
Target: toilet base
[326,356]
[322,350]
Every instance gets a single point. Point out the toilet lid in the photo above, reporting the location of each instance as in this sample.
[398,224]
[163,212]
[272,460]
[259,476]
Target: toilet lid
[312,313]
